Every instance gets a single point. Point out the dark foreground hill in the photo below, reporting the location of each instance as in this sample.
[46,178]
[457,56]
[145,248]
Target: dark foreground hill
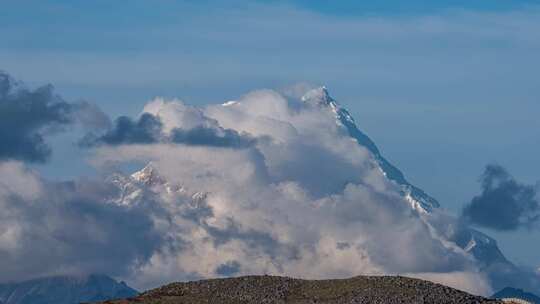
[271,289]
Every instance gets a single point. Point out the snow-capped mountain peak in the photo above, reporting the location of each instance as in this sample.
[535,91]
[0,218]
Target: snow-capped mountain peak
[418,199]
[148,176]
[146,182]
[318,96]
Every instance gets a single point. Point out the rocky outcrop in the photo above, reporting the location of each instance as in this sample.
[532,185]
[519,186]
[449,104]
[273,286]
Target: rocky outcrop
[272,289]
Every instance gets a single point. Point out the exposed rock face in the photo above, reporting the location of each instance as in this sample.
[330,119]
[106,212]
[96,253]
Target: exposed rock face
[270,289]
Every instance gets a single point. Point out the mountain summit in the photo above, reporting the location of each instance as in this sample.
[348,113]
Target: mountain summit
[273,289]
[416,196]
[64,290]
[319,96]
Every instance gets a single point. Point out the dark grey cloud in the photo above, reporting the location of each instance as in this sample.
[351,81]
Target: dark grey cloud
[504,203]
[148,129]
[25,117]
[72,227]
[145,130]
[254,239]
[228,269]
[218,137]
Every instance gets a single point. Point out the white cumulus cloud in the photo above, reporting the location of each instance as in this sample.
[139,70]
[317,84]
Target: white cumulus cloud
[304,200]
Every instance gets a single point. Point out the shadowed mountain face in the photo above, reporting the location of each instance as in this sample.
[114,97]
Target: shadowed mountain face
[515,293]
[64,290]
[270,289]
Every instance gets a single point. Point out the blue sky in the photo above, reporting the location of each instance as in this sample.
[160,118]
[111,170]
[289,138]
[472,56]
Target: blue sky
[443,87]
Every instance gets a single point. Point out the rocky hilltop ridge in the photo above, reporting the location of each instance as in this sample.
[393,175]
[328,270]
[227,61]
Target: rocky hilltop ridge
[275,289]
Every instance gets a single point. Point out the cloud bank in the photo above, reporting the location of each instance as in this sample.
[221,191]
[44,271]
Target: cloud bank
[27,116]
[299,198]
[262,185]
[148,129]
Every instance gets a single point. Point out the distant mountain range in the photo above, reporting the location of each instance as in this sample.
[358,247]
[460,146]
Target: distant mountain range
[64,290]
[515,293]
